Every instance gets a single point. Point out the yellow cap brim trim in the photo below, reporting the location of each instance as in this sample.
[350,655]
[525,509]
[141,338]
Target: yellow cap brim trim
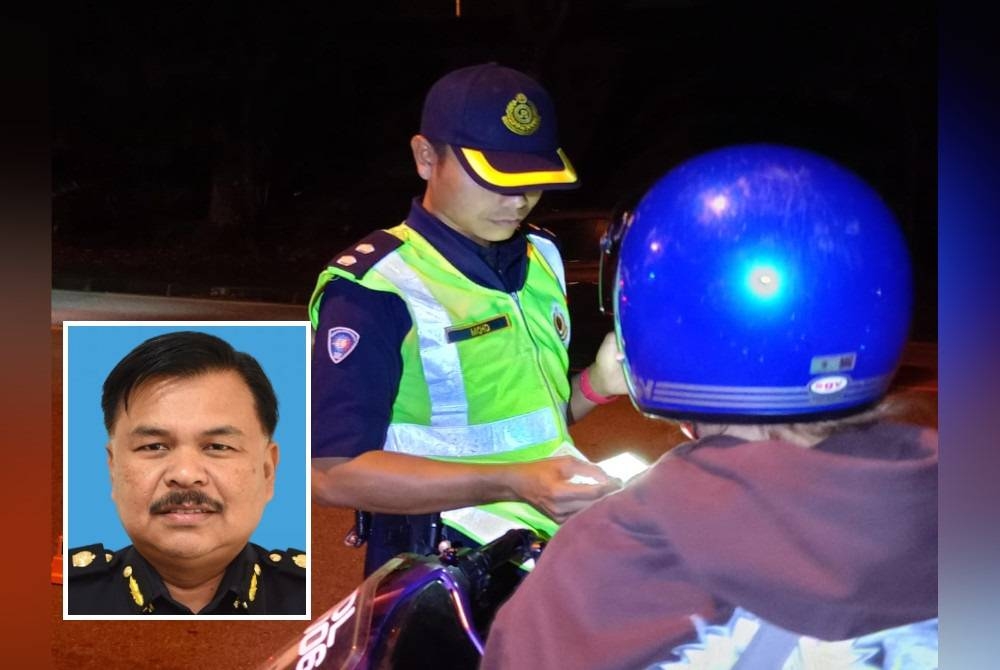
[477,161]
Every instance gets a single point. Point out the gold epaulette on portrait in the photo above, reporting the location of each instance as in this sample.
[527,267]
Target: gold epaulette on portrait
[92,559]
[359,258]
[290,562]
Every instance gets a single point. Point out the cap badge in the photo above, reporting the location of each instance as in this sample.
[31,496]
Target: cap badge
[521,116]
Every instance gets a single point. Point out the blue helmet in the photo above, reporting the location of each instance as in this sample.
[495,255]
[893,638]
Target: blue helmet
[760,284]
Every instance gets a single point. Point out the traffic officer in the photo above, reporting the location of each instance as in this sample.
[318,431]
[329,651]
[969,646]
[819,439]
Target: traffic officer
[192,463]
[440,370]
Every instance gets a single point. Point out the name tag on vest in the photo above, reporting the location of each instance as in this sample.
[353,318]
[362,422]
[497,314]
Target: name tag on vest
[456,334]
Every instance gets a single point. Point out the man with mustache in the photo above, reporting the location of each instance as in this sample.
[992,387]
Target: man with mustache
[192,463]
[440,361]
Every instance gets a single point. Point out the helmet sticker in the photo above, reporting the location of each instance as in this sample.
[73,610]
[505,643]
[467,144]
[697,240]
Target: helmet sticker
[828,385]
[832,363]
[340,342]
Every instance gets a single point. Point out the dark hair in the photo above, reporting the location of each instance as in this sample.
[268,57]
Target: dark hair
[186,354]
[899,405]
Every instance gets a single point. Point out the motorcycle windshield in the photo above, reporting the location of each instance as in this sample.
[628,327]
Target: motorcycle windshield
[408,611]
[412,611]
[431,623]
[340,638]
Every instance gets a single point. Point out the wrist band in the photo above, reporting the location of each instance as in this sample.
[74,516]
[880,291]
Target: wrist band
[589,393]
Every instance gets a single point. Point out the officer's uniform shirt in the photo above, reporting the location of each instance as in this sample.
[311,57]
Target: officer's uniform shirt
[352,399]
[123,582]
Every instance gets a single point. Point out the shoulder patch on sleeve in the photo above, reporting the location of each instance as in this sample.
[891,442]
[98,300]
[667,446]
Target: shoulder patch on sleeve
[92,559]
[360,257]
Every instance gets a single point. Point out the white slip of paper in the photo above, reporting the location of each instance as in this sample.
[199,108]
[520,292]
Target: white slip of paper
[622,466]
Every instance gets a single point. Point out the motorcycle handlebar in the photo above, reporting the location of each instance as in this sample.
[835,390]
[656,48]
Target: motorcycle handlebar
[514,545]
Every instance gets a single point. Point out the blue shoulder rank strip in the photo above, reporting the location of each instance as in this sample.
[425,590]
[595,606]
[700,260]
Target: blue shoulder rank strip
[459,334]
[361,257]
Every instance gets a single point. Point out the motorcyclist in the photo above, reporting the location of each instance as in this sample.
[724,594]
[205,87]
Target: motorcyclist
[763,299]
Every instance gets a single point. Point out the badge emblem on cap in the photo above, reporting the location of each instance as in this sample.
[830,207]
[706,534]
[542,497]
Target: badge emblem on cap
[340,342]
[521,116]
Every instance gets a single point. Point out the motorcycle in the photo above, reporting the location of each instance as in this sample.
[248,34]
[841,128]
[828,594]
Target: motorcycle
[416,611]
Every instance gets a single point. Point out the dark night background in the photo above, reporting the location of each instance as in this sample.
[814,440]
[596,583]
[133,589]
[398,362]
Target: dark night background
[233,149]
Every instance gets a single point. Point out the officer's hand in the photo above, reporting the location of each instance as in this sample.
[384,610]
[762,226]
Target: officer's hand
[546,484]
[607,376]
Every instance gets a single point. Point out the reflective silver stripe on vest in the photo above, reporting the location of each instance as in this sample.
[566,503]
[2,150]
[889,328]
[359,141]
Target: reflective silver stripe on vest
[525,430]
[550,252]
[442,370]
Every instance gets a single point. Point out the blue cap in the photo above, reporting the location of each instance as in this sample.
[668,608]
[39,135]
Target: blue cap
[502,127]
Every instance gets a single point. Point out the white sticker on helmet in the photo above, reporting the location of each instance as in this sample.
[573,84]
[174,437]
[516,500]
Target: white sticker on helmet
[828,385]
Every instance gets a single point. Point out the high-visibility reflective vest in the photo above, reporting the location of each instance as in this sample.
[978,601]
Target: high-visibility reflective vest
[484,371]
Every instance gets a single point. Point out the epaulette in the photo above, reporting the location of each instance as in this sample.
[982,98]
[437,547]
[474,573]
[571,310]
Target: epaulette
[359,258]
[290,562]
[92,559]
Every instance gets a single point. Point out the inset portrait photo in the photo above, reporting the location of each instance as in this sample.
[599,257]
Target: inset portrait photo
[186,485]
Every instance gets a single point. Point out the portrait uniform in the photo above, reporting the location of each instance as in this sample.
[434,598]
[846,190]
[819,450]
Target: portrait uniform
[256,582]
